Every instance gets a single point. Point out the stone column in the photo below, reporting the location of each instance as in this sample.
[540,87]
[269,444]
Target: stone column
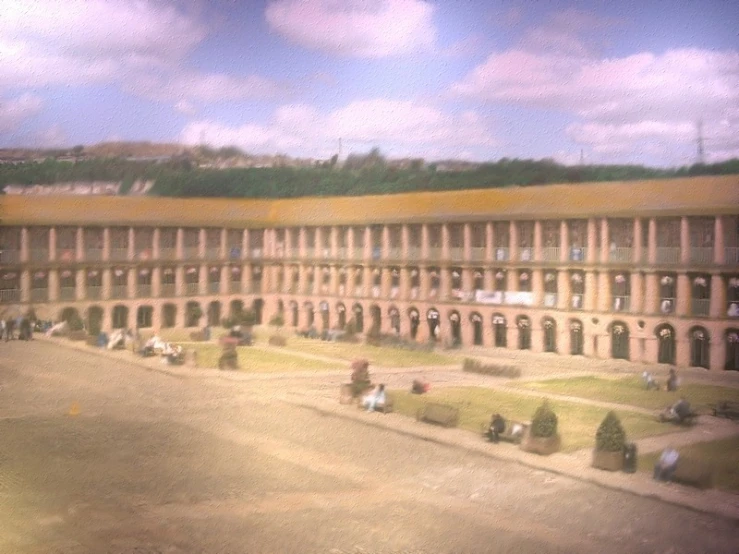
[318,247]
[405,284]
[225,280]
[366,281]
[684,240]
[334,242]
[424,241]
[224,245]
[489,279]
[651,294]
[289,246]
[245,244]
[24,245]
[538,253]
[79,285]
[636,293]
[424,283]
[683,295]
[652,242]
[467,243]
[79,244]
[564,242]
[604,292]
[489,243]
[537,287]
[467,281]
[563,290]
[513,244]
[131,282]
[637,242]
[106,282]
[301,244]
[201,243]
[203,279]
[180,244]
[131,245]
[156,239]
[350,246]
[385,278]
[246,279]
[52,246]
[444,243]
[719,254]
[604,241]
[368,244]
[334,281]
[590,291]
[385,254]
[718,308]
[682,350]
[592,243]
[404,240]
[156,283]
[445,283]
[25,286]
[511,284]
[717,353]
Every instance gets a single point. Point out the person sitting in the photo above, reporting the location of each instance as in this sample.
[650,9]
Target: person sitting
[649,381]
[497,426]
[672,381]
[419,386]
[666,465]
[680,410]
[374,399]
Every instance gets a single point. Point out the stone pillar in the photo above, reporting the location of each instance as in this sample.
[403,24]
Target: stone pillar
[52,247]
[301,244]
[79,285]
[564,242]
[683,295]
[156,239]
[489,279]
[467,281]
[489,243]
[404,241]
[246,279]
[79,244]
[334,242]
[203,279]
[682,350]
[592,243]
[424,241]
[366,281]
[424,284]
[684,240]
[156,282]
[604,241]
[385,254]
[719,254]
[106,282]
[444,243]
[225,280]
[636,293]
[180,244]
[717,353]
[718,308]
[131,282]
[224,253]
[201,243]
[538,253]
[513,244]
[537,337]
[651,294]
[405,284]
[537,287]
[179,281]
[350,246]
[245,243]
[131,245]
[467,242]
[604,292]
[652,242]
[318,247]
[24,245]
[637,242]
[511,284]
[25,286]
[385,282]
[563,290]
[590,291]
[367,244]
[445,283]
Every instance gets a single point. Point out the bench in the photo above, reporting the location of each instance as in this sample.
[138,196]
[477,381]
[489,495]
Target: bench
[514,431]
[440,414]
[727,408]
[693,472]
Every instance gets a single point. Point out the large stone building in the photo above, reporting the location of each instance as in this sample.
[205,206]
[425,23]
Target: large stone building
[646,271]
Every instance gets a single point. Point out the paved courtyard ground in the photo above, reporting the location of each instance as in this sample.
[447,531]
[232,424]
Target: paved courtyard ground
[158,463]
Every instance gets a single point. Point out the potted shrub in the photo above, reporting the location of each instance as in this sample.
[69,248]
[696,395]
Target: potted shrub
[542,437]
[609,444]
[360,377]
[229,359]
[277,322]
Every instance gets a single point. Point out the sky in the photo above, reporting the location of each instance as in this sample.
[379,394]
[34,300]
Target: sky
[606,82]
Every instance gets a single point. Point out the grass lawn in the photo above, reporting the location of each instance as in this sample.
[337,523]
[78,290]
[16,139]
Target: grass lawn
[260,361]
[723,454]
[630,390]
[577,423]
[376,355]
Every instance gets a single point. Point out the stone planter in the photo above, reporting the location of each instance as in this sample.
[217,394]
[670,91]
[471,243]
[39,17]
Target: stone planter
[543,446]
[610,461]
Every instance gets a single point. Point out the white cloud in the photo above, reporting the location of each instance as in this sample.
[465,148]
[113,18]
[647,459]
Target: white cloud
[185,107]
[204,87]
[355,27]
[16,110]
[400,128]
[53,137]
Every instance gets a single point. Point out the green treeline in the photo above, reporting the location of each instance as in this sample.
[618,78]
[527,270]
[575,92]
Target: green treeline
[178,177]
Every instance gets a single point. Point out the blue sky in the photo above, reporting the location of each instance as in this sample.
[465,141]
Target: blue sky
[621,82]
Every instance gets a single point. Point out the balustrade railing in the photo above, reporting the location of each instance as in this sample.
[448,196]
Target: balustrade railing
[477,253]
[93,292]
[701,255]
[143,291]
[191,252]
[621,255]
[10,256]
[731,255]
[118,254]
[192,289]
[40,295]
[167,290]
[10,295]
[39,254]
[67,293]
[119,291]
[526,254]
[214,287]
[550,299]
[668,255]
[700,306]
[551,253]
[501,254]
[621,303]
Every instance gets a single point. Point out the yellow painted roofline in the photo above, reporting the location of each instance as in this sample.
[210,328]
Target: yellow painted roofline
[684,196]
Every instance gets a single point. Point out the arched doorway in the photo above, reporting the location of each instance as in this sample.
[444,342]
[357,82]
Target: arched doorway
[120,317]
[394,315]
[169,316]
[310,315]
[550,334]
[576,337]
[455,324]
[500,331]
[699,347]
[323,308]
[257,306]
[71,316]
[95,315]
[193,313]
[214,313]
[524,332]
[619,341]
[235,309]
[144,316]
[376,317]
[358,318]
[665,334]
[732,350]
[415,319]
[341,312]
[295,313]
[432,318]
[476,320]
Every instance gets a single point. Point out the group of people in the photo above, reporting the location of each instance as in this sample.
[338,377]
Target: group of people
[8,329]
[671,385]
[171,353]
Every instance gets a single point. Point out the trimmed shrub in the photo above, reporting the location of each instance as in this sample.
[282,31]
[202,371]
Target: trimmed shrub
[610,436]
[474,366]
[544,423]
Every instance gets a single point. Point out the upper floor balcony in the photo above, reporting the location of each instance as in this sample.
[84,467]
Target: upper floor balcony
[8,296]
[619,254]
[668,254]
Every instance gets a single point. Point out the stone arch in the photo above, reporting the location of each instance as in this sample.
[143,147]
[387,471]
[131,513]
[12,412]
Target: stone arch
[119,317]
[619,332]
[523,323]
[665,334]
[214,313]
[193,313]
[699,347]
[358,317]
[235,309]
[394,315]
[323,309]
[310,313]
[455,327]
[432,318]
[477,328]
[500,330]
[169,315]
[95,318]
[549,325]
[257,305]
[70,314]
[144,317]
[731,338]
[341,315]
[376,317]
[576,337]
[295,313]
[414,318]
